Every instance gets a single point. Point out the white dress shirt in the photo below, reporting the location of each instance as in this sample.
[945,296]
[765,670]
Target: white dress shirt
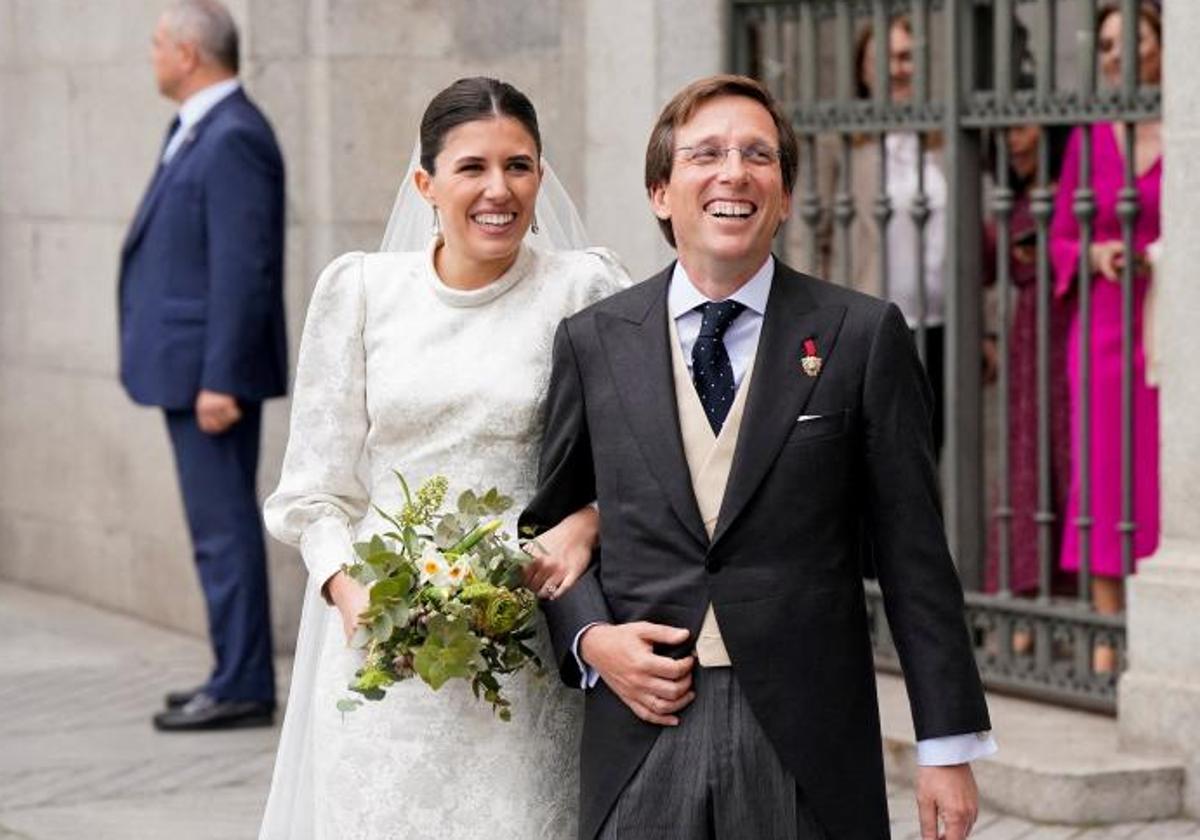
[741,342]
[741,339]
[194,109]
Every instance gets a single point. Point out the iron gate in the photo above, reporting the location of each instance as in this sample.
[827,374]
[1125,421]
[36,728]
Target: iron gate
[978,69]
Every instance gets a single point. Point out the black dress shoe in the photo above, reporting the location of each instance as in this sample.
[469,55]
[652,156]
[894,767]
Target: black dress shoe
[175,699]
[203,712]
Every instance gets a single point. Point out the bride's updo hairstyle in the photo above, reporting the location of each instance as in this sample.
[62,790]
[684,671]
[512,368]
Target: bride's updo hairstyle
[467,100]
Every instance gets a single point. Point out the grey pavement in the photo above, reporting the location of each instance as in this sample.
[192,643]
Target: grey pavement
[78,758]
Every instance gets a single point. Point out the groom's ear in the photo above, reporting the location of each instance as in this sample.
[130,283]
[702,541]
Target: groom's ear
[659,203]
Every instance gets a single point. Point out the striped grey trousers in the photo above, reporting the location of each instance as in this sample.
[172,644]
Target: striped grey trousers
[713,777]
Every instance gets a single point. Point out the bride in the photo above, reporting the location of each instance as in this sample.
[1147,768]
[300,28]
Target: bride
[432,360]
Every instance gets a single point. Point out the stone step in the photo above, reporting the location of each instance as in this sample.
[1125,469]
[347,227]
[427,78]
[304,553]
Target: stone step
[1054,765]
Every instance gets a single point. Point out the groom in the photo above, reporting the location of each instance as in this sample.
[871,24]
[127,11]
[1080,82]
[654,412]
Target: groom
[739,424]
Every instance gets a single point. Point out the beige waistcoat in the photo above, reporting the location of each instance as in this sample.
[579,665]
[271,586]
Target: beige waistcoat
[709,459]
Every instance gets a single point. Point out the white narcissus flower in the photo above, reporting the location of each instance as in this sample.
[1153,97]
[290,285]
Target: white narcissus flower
[458,572]
[434,568]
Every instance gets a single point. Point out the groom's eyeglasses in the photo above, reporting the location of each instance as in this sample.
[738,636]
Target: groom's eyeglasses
[755,154]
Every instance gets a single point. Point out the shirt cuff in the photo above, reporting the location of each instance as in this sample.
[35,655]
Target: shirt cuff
[955,749]
[589,676]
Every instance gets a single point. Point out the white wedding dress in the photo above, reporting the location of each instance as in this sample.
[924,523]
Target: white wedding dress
[399,371]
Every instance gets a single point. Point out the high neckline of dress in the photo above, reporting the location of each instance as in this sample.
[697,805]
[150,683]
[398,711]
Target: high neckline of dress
[485,294]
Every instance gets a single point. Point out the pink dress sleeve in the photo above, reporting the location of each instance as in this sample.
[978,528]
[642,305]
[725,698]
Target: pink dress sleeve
[1064,227]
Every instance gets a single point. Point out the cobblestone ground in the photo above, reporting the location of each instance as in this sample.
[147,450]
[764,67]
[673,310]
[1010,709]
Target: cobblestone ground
[79,760]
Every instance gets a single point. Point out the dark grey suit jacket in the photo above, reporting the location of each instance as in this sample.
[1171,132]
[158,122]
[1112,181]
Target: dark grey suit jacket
[783,567]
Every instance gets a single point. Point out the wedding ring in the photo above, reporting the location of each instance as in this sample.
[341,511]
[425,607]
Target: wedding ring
[549,589]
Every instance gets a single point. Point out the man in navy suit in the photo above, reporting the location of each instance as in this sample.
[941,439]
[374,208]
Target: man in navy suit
[203,338]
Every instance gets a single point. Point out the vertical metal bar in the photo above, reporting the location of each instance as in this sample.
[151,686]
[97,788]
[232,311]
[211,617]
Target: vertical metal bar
[809,80]
[1084,206]
[921,51]
[919,211]
[1002,205]
[1086,37]
[1002,52]
[777,78]
[1130,25]
[843,209]
[846,70]
[881,38]
[1127,212]
[1047,32]
[737,39]
[1041,206]
[963,461]
[810,205]
[780,63]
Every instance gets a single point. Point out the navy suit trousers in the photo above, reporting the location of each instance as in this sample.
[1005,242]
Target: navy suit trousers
[218,481]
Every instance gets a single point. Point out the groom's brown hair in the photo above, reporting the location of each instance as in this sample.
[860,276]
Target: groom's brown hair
[660,152]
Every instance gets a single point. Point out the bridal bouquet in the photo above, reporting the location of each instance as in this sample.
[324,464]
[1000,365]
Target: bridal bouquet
[447,598]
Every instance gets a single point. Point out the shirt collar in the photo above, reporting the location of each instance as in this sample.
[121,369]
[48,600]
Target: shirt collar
[196,106]
[683,297]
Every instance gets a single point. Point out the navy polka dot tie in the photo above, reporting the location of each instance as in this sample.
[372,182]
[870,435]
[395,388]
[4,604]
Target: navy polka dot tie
[711,371]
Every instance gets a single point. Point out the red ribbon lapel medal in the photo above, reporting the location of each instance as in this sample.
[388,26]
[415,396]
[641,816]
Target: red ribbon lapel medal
[810,362]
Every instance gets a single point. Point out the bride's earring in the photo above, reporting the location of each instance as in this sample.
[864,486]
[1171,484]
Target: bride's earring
[534,227]
[437,227]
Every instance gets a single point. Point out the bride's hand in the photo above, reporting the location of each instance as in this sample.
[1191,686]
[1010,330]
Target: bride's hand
[351,598]
[562,554]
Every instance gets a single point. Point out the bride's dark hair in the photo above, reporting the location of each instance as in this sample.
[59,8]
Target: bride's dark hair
[467,100]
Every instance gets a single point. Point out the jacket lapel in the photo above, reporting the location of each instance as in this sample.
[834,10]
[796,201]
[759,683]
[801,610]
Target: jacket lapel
[639,357]
[164,174]
[780,389]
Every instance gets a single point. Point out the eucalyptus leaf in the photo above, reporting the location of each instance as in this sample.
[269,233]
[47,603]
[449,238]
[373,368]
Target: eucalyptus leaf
[362,573]
[362,635]
[468,503]
[382,627]
[446,657]
[400,613]
[391,588]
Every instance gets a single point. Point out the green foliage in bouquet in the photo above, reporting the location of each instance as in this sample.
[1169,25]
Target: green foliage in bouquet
[447,598]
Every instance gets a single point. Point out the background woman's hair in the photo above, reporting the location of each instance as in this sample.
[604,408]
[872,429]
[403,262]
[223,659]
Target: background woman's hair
[467,100]
[1148,10]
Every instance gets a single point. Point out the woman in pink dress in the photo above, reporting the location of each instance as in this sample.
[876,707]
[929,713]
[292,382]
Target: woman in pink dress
[1107,258]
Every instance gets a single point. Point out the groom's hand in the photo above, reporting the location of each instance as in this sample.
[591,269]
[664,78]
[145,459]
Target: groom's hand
[654,687]
[948,793]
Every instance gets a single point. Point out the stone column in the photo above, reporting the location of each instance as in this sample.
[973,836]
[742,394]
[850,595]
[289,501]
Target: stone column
[1160,693]
[638,55]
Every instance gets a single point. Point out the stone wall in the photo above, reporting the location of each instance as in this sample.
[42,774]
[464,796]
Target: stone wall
[88,501]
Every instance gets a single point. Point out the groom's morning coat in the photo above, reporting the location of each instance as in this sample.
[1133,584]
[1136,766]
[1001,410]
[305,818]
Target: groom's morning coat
[782,570]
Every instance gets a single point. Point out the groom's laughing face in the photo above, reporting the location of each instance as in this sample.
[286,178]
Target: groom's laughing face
[724,207]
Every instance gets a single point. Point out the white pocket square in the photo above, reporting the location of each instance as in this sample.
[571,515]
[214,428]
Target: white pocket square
[804,418]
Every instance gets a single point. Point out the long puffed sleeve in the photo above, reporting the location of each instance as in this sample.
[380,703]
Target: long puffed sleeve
[320,495]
